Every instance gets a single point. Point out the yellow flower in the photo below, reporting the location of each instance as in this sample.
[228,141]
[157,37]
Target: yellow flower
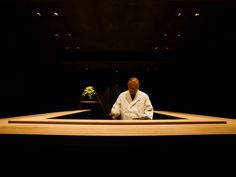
[89,91]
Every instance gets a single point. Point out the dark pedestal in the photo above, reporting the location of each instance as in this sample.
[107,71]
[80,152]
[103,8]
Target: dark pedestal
[95,107]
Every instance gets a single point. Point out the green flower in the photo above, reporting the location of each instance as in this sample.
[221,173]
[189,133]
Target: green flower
[89,91]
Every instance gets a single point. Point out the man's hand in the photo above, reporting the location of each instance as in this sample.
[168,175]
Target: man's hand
[113,115]
[142,118]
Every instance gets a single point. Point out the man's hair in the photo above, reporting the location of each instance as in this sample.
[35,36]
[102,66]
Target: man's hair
[133,79]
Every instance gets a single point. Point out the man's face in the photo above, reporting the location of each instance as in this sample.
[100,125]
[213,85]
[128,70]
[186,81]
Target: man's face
[133,87]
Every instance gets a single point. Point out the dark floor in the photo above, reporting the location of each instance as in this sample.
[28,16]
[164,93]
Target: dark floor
[100,115]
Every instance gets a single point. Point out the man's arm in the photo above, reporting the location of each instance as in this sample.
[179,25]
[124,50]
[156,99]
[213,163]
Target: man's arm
[148,109]
[115,110]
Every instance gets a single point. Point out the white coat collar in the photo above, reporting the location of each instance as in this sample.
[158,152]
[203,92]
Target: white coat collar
[136,98]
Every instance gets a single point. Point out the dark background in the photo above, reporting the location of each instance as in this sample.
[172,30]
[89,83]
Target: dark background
[185,62]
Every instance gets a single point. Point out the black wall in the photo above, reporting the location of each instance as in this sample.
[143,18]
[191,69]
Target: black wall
[197,79]
[196,85]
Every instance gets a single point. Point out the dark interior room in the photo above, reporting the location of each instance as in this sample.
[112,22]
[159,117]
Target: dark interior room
[182,51]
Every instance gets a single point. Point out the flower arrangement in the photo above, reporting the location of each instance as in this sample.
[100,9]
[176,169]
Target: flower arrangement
[89,91]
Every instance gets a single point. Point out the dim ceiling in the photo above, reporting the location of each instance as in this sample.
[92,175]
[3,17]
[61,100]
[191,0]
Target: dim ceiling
[79,30]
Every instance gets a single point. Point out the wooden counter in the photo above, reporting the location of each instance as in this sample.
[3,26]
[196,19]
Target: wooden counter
[41,133]
[191,124]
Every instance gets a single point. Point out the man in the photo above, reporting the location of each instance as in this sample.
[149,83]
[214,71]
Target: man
[132,104]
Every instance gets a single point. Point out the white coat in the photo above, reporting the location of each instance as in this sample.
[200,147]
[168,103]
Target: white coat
[128,109]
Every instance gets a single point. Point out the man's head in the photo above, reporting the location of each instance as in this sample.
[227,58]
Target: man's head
[133,85]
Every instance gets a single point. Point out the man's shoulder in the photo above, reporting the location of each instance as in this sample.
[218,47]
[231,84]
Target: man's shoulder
[123,93]
[142,93]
